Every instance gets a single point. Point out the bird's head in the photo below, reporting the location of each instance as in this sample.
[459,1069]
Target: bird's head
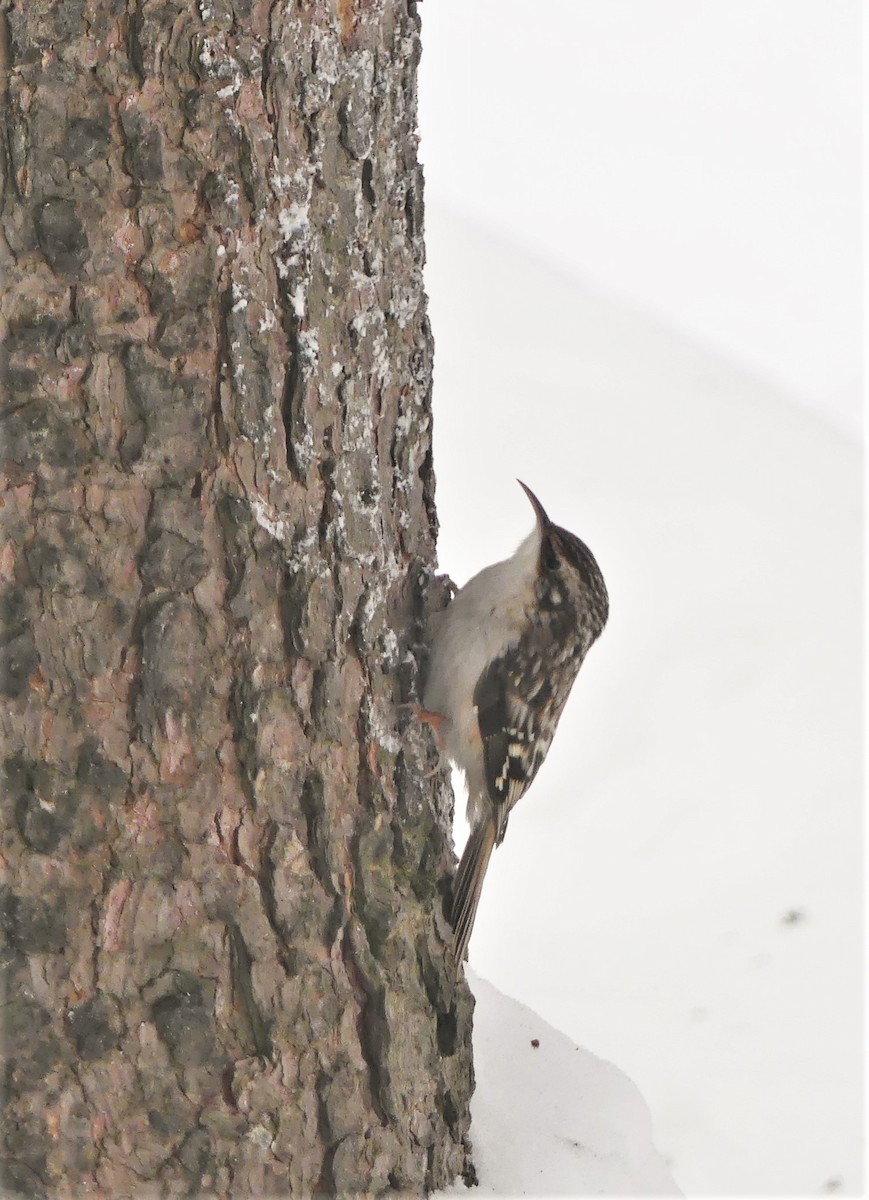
[568,571]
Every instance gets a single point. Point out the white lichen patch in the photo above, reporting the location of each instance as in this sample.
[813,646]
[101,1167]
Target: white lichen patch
[217,61]
[306,556]
[261,1136]
[382,730]
[293,221]
[233,192]
[309,346]
[269,519]
[303,448]
[406,301]
[297,301]
[327,55]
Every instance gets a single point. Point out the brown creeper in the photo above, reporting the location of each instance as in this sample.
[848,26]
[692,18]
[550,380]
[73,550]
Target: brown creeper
[504,656]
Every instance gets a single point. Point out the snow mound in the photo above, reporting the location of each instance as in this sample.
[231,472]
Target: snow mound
[549,1117]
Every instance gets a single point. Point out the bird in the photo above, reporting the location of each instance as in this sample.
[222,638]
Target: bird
[503,657]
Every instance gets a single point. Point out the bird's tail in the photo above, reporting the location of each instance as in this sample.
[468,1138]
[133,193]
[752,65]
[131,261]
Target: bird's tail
[468,884]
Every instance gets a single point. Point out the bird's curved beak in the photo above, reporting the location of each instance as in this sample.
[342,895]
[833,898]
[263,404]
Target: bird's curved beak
[543,521]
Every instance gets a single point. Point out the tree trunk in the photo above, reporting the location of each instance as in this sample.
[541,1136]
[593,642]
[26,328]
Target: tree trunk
[225,863]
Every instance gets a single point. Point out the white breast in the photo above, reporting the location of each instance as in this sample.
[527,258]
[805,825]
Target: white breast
[485,618]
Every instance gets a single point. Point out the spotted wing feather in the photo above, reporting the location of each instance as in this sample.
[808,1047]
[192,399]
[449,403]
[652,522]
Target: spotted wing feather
[514,743]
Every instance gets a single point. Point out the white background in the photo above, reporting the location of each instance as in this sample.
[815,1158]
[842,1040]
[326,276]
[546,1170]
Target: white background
[644,269]
[699,158]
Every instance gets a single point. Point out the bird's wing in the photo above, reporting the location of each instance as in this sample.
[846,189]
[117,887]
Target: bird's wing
[513,747]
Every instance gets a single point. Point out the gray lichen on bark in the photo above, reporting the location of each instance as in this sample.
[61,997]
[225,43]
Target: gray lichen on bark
[224,855]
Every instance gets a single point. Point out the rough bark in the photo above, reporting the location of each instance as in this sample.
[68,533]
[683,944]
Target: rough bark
[225,865]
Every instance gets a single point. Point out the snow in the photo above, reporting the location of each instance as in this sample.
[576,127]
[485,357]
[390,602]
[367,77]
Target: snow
[551,1114]
[681,890]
